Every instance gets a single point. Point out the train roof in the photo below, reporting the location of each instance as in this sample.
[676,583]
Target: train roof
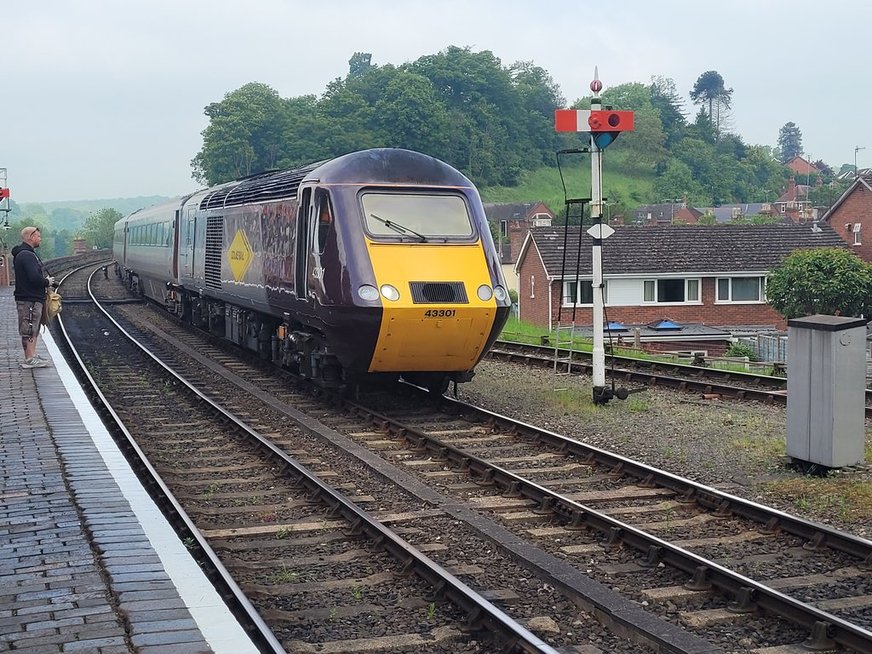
[389,166]
[380,165]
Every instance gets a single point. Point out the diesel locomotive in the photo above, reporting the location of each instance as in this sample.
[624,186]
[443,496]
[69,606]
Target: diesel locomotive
[374,264]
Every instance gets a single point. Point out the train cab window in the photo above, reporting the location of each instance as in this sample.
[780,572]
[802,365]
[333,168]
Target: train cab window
[421,217]
[325,223]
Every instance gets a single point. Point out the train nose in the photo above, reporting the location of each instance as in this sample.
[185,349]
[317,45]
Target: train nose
[436,338]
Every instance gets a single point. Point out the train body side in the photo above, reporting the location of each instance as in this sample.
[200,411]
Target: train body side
[145,242]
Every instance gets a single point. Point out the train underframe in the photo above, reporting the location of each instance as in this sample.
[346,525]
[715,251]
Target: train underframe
[285,342]
[282,341]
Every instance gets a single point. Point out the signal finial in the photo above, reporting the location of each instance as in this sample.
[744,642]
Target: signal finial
[596,86]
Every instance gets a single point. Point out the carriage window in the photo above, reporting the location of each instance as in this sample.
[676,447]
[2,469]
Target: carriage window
[417,216]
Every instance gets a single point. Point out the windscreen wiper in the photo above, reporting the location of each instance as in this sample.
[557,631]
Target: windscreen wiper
[400,229]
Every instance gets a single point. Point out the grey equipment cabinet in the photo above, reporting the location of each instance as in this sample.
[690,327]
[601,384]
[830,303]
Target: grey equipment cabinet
[826,390]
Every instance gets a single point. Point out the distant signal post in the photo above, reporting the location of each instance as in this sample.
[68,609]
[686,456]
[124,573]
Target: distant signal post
[601,127]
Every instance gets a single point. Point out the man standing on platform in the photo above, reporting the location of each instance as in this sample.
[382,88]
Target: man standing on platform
[31,283]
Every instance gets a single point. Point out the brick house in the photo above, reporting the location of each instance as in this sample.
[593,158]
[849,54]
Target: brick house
[801,166]
[702,275]
[793,203]
[512,222]
[851,217]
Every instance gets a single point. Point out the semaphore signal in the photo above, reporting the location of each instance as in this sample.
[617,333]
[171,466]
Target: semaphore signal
[603,126]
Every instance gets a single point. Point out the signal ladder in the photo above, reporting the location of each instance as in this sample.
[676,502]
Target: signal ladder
[564,339]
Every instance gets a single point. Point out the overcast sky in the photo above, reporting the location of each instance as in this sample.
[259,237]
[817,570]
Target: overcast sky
[104,98]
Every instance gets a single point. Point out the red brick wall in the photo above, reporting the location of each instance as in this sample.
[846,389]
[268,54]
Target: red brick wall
[708,313]
[856,208]
[518,230]
[533,310]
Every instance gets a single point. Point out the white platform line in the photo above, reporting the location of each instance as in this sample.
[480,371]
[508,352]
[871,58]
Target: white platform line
[218,626]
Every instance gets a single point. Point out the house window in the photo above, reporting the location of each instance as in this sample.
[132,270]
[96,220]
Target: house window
[857,234]
[693,290]
[740,289]
[580,292]
[670,290]
[532,286]
[541,220]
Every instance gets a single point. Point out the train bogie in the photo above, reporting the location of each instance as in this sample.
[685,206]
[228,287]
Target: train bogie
[377,263]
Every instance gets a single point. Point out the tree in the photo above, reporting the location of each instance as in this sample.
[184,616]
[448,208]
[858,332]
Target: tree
[825,170]
[100,227]
[243,135]
[410,115]
[789,142]
[489,137]
[667,102]
[830,281]
[539,97]
[824,196]
[359,64]
[678,181]
[709,90]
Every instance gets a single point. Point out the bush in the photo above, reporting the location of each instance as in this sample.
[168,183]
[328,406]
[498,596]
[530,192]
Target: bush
[741,349]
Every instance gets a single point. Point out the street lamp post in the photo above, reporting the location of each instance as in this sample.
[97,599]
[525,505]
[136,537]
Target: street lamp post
[857,170]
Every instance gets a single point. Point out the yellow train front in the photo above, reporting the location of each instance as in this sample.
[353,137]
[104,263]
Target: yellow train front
[420,260]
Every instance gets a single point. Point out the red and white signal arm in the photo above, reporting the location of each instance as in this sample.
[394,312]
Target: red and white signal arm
[585,120]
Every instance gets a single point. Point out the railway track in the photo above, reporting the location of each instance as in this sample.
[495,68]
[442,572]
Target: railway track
[596,531]
[717,555]
[275,535]
[630,372]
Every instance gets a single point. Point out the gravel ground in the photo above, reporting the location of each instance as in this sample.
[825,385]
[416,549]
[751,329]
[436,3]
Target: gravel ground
[737,447]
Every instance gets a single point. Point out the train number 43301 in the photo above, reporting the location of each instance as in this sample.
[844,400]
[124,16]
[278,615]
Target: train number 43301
[440,313]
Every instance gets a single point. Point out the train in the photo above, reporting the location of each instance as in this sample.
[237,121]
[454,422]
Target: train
[374,265]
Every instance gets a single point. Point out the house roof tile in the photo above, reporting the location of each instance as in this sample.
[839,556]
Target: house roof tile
[682,249]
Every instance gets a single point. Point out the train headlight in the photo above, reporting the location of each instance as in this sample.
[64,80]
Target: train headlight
[367,292]
[500,294]
[485,293]
[390,293]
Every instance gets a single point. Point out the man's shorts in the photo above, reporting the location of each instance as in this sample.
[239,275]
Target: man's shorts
[29,316]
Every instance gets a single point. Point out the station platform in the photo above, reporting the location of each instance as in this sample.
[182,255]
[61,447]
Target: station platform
[87,561]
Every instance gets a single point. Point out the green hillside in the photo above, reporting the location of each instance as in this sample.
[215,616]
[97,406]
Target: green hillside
[622,192]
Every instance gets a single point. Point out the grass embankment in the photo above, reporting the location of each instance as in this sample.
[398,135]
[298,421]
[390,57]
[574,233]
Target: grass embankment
[620,190]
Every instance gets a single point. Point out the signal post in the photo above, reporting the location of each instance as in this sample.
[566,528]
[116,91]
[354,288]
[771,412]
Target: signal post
[601,128]
[5,276]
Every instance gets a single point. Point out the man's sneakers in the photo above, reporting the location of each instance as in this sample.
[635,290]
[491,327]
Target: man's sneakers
[35,362]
